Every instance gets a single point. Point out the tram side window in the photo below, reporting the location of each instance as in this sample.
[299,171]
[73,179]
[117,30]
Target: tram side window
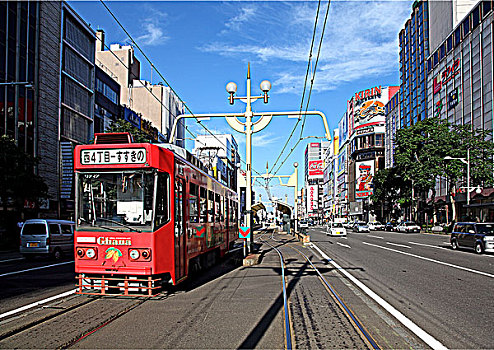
[217,207]
[193,205]
[162,200]
[204,205]
[210,206]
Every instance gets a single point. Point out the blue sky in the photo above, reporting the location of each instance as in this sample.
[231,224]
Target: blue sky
[199,47]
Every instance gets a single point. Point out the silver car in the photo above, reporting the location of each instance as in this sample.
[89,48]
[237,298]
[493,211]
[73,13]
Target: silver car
[361,227]
[408,226]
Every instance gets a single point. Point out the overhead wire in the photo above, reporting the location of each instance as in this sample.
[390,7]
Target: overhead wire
[305,85]
[168,84]
[311,85]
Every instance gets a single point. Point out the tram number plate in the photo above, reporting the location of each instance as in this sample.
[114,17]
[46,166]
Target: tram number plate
[35,244]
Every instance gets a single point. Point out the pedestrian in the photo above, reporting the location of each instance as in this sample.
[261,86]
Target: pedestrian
[19,225]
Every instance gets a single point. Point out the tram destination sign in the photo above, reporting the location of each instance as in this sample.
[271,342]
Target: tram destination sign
[113,156]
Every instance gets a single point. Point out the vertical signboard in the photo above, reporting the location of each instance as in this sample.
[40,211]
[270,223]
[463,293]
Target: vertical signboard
[364,176]
[67,159]
[312,195]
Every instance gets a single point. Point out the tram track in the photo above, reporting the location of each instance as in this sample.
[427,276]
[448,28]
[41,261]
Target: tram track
[312,321]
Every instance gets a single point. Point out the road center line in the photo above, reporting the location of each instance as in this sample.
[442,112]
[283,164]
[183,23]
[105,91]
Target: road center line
[343,245]
[375,236]
[35,268]
[44,301]
[432,260]
[399,245]
[427,338]
[16,259]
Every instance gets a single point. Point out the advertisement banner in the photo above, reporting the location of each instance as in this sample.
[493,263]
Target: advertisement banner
[316,169]
[341,162]
[312,195]
[343,127]
[364,174]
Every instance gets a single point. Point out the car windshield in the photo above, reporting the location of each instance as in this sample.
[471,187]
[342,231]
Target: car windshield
[410,224]
[487,229]
[117,201]
[362,224]
[337,224]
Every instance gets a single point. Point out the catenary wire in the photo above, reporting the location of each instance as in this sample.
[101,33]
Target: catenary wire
[164,79]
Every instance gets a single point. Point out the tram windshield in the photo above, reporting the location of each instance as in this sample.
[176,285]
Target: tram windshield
[118,201]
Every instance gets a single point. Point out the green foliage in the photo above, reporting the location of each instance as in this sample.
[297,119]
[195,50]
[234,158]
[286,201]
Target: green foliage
[17,176]
[121,125]
[419,160]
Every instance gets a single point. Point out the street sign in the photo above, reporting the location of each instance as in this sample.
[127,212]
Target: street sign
[200,230]
[244,232]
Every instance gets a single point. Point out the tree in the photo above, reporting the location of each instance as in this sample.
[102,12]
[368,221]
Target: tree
[389,188]
[19,182]
[121,125]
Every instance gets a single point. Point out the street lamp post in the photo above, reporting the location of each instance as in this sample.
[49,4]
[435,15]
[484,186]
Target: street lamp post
[467,162]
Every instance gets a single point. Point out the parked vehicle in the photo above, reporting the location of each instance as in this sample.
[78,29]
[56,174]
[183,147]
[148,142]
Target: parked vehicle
[408,226]
[361,227]
[47,237]
[303,224]
[376,226]
[390,226]
[336,229]
[473,235]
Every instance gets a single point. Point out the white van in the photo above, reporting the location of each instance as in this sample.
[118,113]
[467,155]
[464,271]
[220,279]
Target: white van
[47,237]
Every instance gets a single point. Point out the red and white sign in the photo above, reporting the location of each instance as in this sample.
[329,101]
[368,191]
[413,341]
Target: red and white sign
[312,195]
[316,169]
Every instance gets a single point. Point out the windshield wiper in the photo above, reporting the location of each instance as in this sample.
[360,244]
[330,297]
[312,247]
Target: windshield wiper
[117,223]
[93,224]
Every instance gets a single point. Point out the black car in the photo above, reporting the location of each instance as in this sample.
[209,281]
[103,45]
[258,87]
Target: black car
[478,236]
[390,226]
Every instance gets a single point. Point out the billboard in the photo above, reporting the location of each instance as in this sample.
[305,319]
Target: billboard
[341,162]
[316,169]
[312,195]
[343,127]
[364,174]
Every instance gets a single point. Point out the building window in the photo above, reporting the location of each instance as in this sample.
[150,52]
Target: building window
[74,126]
[76,97]
[457,36]
[466,26]
[449,43]
[77,67]
[476,17]
[78,39]
[486,7]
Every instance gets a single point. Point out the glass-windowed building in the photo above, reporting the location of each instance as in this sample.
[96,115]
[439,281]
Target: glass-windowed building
[414,50]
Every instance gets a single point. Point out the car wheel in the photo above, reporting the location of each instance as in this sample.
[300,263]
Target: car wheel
[57,254]
[454,244]
[478,248]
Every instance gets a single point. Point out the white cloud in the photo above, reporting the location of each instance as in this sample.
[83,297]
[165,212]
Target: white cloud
[264,139]
[153,32]
[361,40]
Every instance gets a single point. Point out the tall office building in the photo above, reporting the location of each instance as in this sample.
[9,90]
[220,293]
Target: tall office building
[47,94]
[414,49]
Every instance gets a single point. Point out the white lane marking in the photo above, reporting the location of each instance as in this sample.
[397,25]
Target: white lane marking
[427,338]
[44,301]
[429,245]
[35,268]
[343,245]
[16,259]
[375,236]
[399,245]
[433,260]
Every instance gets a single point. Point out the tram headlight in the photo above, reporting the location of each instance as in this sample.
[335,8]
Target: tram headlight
[80,252]
[146,254]
[90,253]
[134,254]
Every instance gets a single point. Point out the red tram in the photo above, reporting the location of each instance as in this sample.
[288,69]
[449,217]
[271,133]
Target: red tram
[146,215]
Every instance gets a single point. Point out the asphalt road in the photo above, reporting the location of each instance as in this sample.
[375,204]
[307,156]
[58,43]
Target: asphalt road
[446,293]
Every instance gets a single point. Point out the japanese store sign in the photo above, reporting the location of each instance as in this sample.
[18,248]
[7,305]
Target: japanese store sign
[446,76]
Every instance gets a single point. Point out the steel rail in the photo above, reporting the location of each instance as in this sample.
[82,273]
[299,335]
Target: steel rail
[288,332]
[349,312]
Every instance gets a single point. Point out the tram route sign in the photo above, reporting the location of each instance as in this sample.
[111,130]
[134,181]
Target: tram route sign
[244,232]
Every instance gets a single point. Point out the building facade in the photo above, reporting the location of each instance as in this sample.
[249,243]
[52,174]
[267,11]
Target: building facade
[460,90]
[393,117]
